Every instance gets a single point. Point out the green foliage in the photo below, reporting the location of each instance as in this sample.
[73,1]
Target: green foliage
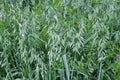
[59,39]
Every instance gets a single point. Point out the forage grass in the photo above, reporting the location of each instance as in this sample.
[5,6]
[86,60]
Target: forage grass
[59,39]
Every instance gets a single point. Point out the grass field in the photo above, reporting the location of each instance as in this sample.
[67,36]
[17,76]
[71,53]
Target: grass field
[59,39]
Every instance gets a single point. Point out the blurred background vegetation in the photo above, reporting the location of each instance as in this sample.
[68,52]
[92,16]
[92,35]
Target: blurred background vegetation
[59,39]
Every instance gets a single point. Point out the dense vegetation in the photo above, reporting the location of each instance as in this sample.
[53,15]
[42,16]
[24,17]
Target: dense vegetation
[59,39]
